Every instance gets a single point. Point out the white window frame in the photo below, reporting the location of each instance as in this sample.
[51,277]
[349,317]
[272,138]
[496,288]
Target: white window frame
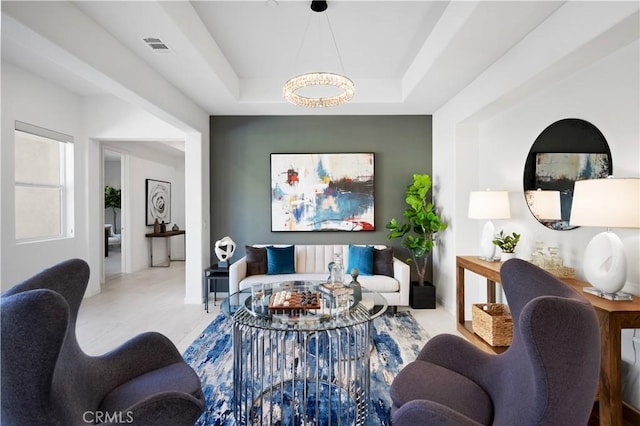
[66,180]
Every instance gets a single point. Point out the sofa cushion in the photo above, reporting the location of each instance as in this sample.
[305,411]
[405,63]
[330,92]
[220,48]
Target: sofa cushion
[383,262]
[311,261]
[280,260]
[379,283]
[280,278]
[361,257]
[256,260]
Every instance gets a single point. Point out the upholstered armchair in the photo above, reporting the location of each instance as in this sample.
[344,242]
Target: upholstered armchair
[48,380]
[548,376]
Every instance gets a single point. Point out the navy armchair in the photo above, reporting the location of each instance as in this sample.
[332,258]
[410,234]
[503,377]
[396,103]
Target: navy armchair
[548,376]
[48,380]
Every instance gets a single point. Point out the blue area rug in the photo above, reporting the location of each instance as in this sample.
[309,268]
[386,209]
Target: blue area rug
[397,340]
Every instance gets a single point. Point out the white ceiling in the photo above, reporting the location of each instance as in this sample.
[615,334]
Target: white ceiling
[232,57]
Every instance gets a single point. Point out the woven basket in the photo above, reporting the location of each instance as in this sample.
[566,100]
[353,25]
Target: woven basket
[493,323]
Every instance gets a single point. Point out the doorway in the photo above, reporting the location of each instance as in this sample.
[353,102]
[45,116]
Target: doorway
[113,184]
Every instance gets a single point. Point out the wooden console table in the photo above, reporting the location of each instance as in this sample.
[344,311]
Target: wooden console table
[612,316]
[165,235]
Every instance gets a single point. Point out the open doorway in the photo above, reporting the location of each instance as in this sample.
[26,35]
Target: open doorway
[113,177]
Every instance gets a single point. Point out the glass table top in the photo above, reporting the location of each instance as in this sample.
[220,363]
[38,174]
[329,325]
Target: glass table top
[303,305]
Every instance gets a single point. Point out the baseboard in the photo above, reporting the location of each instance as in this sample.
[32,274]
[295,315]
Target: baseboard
[193,301]
[630,414]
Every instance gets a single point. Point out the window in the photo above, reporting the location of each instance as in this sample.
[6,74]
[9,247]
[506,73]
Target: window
[43,184]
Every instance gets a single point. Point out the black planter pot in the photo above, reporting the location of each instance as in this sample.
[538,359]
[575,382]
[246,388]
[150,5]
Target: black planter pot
[422,297]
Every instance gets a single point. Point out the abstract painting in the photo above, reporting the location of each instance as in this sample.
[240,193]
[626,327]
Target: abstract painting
[559,171]
[158,201]
[322,192]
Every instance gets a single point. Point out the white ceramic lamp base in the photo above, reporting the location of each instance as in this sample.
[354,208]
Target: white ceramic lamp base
[487,248]
[605,264]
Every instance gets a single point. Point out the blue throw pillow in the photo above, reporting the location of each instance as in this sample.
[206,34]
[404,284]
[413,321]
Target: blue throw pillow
[361,257]
[280,260]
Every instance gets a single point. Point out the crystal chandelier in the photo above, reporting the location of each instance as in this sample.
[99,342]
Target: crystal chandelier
[317,79]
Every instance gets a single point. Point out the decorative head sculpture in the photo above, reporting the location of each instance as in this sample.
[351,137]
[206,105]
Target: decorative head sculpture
[224,249]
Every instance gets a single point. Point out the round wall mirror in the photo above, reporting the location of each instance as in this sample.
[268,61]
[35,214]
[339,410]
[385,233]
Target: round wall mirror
[566,151]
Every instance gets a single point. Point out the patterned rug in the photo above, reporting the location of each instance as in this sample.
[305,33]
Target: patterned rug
[397,340]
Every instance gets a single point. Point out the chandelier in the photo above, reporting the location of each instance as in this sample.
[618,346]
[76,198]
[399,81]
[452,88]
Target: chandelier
[319,79]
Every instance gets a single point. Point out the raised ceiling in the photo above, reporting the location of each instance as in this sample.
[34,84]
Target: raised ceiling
[232,57]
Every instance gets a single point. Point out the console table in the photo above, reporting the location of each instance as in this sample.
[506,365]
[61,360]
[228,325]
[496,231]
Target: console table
[166,236]
[612,316]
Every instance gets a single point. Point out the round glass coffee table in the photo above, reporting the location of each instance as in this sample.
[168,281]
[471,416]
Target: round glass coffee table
[301,353]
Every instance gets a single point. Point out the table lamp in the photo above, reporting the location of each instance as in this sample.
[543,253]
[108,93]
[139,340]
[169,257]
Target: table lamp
[544,205]
[610,203]
[488,205]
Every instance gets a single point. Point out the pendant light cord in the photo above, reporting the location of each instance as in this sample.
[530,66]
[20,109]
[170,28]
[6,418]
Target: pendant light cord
[335,44]
[318,78]
[304,37]
[306,32]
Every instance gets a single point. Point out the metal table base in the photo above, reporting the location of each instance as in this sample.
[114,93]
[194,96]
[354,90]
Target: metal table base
[292,376]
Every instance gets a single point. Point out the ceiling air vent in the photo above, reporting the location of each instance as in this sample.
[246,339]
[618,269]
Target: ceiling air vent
[157,45]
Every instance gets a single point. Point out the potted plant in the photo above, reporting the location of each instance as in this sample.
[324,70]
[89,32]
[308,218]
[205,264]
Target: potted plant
[112,200]
[507,244]
[418,235]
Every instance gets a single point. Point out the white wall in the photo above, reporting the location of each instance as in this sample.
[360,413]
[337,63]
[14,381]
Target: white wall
[32,100]
[140,170]
[110,118]
[29,98]
[70,37]
[118,125]
[607,95]
[483,135]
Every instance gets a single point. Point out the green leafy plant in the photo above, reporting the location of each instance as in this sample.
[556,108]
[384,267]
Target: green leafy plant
[507,243]
[419,232]
[112,198]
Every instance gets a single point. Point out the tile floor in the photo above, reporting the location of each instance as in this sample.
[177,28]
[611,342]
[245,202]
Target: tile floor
[152,300]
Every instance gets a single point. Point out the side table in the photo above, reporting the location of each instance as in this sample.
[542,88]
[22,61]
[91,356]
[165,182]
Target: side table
[612,317]
[212,275]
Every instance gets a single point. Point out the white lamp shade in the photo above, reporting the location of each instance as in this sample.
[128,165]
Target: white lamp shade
[489,205]
[611,203]
[545,205]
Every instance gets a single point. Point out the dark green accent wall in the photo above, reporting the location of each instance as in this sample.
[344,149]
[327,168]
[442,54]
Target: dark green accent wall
[240,170]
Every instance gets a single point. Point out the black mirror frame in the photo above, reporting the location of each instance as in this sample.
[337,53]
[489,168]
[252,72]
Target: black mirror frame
[569,135]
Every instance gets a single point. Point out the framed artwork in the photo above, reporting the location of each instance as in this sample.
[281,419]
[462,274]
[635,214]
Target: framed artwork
[322,192]
[559,171]
[158,201]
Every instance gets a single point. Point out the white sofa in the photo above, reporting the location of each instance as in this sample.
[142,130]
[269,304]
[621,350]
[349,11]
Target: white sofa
[311,263]
[113,239]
